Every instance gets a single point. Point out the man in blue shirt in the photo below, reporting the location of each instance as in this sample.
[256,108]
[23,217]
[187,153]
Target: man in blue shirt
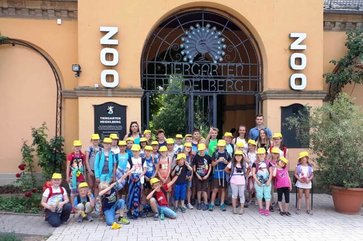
[254,132]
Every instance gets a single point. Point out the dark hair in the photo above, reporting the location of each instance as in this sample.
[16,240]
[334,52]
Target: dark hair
[259,115]
[245,128]
[268,142]
[130,131]
[195,130]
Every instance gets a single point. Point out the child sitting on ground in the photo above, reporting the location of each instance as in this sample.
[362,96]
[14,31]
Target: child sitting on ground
[180,190]
[55,202]
[158,200]
[84,202]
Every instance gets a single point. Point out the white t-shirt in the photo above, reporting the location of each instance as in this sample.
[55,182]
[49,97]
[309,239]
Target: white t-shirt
[137,166]
[56,196]
[115,150]
[304,173]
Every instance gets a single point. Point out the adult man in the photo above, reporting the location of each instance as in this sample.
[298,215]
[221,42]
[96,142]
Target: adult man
[254,132]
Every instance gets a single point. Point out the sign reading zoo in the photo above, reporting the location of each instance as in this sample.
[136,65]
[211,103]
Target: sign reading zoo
[109,57]
[110,118]
[298,80]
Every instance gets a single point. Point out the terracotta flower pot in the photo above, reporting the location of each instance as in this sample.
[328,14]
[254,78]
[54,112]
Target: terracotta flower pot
[347,200]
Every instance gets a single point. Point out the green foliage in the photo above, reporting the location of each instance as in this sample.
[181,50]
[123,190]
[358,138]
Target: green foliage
[336,137]
[50,153]
[349,69]
[9,237]
[27,180]
[171,114]
[21,204]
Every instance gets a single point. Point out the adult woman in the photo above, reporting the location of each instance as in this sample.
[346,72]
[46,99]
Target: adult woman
[134,132]
[242,135]
[263,140]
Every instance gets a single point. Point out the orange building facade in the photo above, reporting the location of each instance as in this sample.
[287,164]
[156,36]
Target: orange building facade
[266,56]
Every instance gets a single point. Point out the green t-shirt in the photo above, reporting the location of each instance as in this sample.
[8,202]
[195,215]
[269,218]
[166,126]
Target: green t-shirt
[212,146]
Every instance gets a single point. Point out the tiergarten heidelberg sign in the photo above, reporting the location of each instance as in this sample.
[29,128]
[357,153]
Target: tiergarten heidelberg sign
[200,75]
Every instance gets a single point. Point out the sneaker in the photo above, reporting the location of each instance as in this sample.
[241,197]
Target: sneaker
[283,213]
[89,217]
[223,207]
[298,211]
[143,214]
[234,211]
[241,211]
[183,209]
[205,207]
[261,211]
[217,202]
[190,206]
[272,209]
[288,214]
[309,212]
[156,216]
[211,207]
[267,212]
[123,220]
[245,205]
[199,206]
[79,219]
[116,226]
[162,216]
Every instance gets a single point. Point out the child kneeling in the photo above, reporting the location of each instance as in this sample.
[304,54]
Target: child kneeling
[84,202]
[158,199]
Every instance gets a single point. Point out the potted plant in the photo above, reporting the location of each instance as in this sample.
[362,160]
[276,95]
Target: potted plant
[336,140]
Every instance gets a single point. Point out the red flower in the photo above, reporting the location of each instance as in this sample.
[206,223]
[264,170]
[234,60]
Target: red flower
[28,194]
[18,175]
[34,190]
[22,167]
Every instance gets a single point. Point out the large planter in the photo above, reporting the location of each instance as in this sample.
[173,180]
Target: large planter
[347,200]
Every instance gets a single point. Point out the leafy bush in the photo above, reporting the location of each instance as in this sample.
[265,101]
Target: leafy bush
[9,237]
[21,204]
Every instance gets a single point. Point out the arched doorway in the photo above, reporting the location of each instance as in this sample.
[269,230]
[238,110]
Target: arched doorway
[208,59]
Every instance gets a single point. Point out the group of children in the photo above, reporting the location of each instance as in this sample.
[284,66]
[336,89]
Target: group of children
[163,176]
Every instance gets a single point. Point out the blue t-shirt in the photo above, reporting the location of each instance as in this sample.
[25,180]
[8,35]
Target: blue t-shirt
[156,158]
[150,167]
[129,152]
[218,172]
[254,132]
[123,159]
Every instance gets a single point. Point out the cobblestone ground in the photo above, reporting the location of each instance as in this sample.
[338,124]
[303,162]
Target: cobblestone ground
[325,224]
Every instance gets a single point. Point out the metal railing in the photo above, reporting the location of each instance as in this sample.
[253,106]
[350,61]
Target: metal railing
[350,5]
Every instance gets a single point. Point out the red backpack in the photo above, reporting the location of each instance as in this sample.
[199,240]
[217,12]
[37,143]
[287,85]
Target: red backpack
[51,193]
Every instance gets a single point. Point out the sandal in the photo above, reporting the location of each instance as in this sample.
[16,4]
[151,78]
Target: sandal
[309,212]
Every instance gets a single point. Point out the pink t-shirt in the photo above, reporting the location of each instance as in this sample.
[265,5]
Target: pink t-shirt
[282,178]
[238,176]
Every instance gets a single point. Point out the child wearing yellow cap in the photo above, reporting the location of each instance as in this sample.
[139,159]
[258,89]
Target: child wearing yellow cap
[304,173]
[262,174]
[178,146]
[105,163]
[84,202]
[147,135]
[122,169]
[75,169]
[129,143]
[164,165]
[170,151]
[114,145]
[90,154]
[150,169]
[155,152]
[283,185]
[180,189]
[228,137]
[55,202]
[277,142]
[187,150]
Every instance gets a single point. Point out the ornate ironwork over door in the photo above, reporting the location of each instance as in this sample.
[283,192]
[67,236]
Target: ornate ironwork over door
[209,51]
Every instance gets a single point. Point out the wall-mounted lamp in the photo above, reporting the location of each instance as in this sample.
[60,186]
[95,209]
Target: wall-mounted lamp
[76,68]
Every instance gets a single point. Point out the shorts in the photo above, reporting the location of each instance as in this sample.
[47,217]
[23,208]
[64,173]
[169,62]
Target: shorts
[190,183]
[180,192]
[263,192]
[201,186]
[220,183]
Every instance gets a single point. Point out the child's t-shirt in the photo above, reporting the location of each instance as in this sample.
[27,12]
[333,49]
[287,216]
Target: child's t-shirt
[156,157]
[181,172]
[78,159]
[304,172]
[92,151]
[115,149]
[78,199]
[238,175]
[108,200]
[201,164]
[161,197]
[163,168]
[57,195]
[122,161]
[282,178]
[178,148]
[150,167]
[212,146]
[219,168]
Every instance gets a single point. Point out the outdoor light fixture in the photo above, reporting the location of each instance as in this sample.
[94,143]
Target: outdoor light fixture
[76,68]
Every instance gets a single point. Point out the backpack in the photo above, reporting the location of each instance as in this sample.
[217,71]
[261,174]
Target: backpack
[232,170]
[51,193]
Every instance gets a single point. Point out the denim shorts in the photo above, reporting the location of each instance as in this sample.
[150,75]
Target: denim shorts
[180,192]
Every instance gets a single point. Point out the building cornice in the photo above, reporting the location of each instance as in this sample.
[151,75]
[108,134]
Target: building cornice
[102,92]
[46,9]
[342,20]
[296,95]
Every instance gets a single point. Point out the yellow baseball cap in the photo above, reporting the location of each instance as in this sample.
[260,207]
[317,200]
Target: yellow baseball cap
[170,141]
[83,184]
[114,136]
[187,144]
[122,143]
[201,147]
[77,143]
[221,143]
[275,150]
[178,136]
[130,139]
[277,135]
[95,137]
[238,152]
[239,144]
[154,143]
[135,147]
[148,148]
[252,142]
[188,135]
[143,139]
[147,132]
[283,159]
[107,140]
[303,154]
[163,148]
[56,176]
[228,134]
[154,180]
[181,156]
[261,150]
